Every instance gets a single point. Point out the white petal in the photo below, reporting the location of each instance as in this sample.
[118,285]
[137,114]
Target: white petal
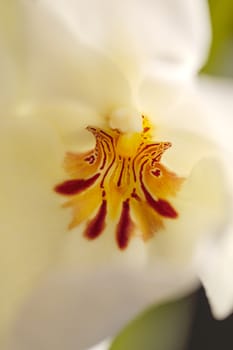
[75,311]
[60,66]
[199,125]
[210,114]
[183,104]
[215,258]
[8,91]
[171,35]
[11,51]
[203,106]
[216,99]
[31,226]
[215,266]
[201,204]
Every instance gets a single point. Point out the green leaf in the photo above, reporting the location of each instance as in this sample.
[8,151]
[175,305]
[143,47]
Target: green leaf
[163,327]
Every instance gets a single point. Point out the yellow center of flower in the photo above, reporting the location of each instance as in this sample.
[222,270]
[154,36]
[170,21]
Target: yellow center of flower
[121,180]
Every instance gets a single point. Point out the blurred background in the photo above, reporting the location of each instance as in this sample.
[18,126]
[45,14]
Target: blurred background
[188,324]
[220,61]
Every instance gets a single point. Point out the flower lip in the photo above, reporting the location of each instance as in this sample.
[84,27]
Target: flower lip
[121,180]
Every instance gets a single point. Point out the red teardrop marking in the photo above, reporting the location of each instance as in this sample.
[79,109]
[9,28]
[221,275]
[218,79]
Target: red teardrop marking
[96,226]
[124,227]
[165,209]
[161,206]
[71,187]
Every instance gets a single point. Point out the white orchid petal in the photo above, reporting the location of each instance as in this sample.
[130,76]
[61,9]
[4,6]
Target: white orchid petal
[202,204]
[74,310]
[7,72]
[11,51]
[215,257]
[177,103]
[32,224]
[62,67]
[172,104]
[200,125]
[215,265]
[216,99]
[158,98]
[132,31]
[203,106]
[89,58]
[212,116]
[31,166]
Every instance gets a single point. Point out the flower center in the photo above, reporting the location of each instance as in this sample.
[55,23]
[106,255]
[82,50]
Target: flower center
[121,180]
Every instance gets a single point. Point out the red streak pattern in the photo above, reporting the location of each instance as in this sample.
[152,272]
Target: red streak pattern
[76,186]
[124,227]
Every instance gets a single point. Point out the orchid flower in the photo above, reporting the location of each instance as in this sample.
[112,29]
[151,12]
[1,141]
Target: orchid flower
[116,162]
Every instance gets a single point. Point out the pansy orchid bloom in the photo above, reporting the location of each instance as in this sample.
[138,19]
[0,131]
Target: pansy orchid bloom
[116,186]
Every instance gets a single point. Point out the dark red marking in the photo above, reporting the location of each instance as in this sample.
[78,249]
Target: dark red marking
[156,172]
[111,164]
[90,159]
[124,226]
[161,206]
[107,145]
[121,173]
[96,226]
[135,195]
[140,154]
[157,158]
[105,157]
[146,129]
[164,208]
[72,187]
[105,134]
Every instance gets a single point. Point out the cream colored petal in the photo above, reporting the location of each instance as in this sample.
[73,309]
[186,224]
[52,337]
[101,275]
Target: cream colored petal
[203,106]
[202,205]
[215,264]
[8,91]
[176,104]
[159,98]
[32,223]
[205,109]
[69,119]
[180,117]
[103,275]
[153,279]
[216,99]
[75,307]
[171,36]
[75,311]
[196,129]
[196,117]
[61,67]
[11,51]
[215,259]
